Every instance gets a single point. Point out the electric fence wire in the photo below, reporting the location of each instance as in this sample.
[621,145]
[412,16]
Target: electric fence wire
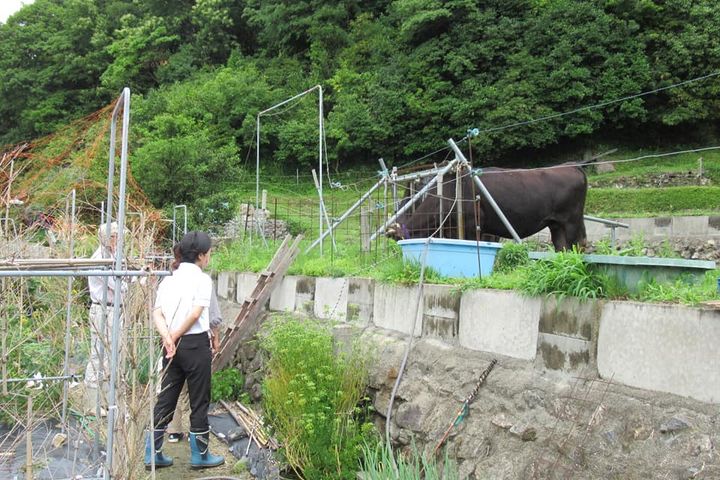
[570,112]
[598,105]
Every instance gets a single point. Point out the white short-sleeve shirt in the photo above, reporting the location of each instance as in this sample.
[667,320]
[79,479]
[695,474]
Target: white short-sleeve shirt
[177,294]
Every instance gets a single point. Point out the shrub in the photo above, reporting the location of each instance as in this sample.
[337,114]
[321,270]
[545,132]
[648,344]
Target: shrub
[228,385]
[311,398]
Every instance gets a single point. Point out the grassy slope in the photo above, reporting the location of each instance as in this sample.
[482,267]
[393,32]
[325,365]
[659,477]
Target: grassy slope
[633,202]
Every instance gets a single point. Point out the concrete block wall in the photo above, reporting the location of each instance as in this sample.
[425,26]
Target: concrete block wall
[653,229]
[668,348]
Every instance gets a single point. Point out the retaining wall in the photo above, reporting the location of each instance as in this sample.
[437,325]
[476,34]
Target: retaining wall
[667,348]
[653,229]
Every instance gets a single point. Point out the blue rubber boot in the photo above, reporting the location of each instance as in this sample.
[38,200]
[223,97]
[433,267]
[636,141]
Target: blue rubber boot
[200,457]
[160,459]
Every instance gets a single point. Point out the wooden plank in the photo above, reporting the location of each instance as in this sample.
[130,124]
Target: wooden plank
[251,309]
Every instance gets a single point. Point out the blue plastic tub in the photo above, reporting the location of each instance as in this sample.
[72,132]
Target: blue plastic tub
[453,258]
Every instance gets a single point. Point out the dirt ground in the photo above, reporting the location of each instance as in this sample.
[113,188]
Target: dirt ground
[181,468]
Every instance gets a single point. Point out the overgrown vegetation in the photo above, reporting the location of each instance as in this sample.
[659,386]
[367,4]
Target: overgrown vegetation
[35,342]
[640,202]
[312,396]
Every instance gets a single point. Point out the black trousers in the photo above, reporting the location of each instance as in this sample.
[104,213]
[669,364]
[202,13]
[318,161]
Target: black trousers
[192,363]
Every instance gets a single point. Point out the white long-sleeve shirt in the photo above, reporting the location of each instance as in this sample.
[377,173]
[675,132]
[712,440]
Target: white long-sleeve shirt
[177,294]
[95,284]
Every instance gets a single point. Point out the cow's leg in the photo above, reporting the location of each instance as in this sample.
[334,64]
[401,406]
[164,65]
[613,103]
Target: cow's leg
[558,236]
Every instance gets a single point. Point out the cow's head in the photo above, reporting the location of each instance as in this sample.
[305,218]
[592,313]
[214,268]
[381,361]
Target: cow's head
[397,231]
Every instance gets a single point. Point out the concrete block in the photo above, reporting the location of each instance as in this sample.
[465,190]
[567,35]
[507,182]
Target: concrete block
[245,284]
[559,352]
[284,297]
[596,231]
[360,300]
[570,317]
[441,310]
[225,285]
[331,298]
[666,348]
[499,322]
[305,295]
[394,308]
[690,226]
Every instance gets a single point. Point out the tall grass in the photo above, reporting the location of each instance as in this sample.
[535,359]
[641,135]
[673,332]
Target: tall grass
[565,274]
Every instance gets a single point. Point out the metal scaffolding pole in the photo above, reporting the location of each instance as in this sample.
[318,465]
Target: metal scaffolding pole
[415,197]
[174,222]
[124,105]
[485,191]
[68,307]
[345,215]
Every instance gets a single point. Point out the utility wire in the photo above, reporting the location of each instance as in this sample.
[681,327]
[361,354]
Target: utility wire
[598,105]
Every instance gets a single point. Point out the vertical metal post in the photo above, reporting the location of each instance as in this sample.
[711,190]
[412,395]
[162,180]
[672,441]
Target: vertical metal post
[320,164]
[441,203]
[323,212]
[257,163]
[112,407]
[393,176]
[68,305]
[459,202]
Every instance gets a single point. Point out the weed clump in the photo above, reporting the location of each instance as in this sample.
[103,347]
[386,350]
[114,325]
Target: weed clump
[311,396]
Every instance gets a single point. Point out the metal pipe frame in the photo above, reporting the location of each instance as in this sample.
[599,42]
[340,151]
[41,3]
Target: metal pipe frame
[415,198]
[323,211]
[320,148]
[484,191]
[347,213]
[84,273]
[609,223]
[123,104]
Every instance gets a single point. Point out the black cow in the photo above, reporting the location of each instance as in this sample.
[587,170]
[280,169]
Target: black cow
[530,199]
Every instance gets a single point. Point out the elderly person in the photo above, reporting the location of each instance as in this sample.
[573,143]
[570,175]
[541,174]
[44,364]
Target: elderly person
[96,371]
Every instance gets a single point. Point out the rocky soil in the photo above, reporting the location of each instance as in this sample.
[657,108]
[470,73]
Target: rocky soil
[672,179]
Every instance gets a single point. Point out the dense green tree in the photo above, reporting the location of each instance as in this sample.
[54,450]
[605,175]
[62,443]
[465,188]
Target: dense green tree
[400,77]
[51,54]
